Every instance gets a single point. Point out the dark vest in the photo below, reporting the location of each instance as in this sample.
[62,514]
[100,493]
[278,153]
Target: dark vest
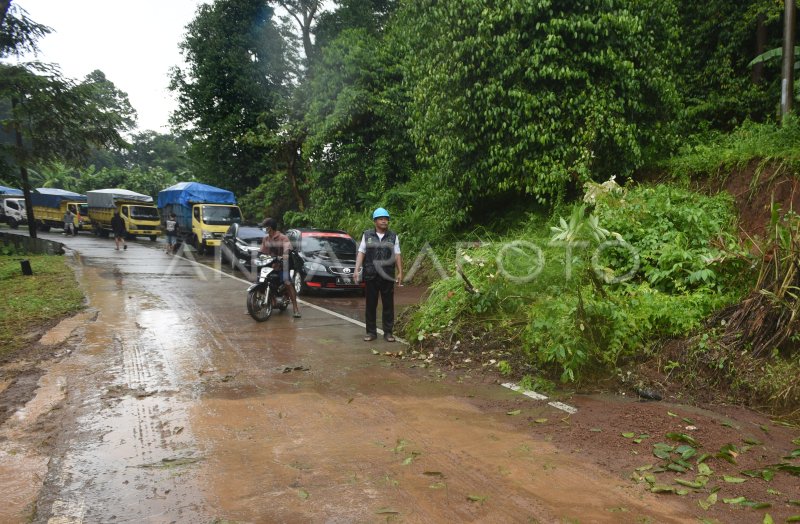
[379,253]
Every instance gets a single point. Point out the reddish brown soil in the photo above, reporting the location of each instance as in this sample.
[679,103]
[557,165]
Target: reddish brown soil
[595,433]
[755,188]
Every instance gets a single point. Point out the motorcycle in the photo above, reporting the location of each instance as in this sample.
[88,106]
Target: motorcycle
[269,291]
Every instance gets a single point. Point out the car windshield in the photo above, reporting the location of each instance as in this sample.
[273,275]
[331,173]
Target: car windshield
[221,215]
[340,245]
[250,235]
[144,213]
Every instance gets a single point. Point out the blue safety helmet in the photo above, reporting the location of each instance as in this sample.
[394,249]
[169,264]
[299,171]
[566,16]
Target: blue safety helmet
[380,212]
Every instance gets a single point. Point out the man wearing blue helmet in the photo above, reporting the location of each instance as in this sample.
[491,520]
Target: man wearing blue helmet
[379,255]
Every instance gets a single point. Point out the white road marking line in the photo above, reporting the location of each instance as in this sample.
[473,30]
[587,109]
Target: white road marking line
[300,301]
[538,396]
[563,407]
[527,393]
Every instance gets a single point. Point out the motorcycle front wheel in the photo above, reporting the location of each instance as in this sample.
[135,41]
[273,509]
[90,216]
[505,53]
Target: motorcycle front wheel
[259,304]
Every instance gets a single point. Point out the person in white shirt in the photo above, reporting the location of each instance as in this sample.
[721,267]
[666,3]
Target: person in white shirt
[379,256]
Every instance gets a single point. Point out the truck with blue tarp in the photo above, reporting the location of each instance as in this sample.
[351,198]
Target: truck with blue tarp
[12,207]
[137,211]
[204,213]
[50,204]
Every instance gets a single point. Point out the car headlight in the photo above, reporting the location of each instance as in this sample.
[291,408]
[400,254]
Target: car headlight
[314,267]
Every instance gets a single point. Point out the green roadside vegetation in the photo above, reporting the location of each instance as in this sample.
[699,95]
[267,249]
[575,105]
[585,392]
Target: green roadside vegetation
[706,308]
[489,123]
[30,302]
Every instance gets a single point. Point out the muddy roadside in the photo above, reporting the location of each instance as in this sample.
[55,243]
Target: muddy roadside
[407,464]
[726,463]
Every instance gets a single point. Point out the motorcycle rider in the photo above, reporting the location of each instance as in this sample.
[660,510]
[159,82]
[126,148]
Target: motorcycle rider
[277,244]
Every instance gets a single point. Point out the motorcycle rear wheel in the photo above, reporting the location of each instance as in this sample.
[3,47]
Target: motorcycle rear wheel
[259,304]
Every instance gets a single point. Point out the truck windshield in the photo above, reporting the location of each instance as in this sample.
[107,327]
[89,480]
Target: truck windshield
[144,213]
[221,215]
[83,209]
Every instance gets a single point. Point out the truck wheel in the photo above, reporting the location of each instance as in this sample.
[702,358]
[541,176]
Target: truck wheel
[201,248]
[153,238]
[12,222]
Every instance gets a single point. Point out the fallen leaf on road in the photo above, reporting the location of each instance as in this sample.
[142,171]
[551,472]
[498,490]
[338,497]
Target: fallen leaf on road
[733,480]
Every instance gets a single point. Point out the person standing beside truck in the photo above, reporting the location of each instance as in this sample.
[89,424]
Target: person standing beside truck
[379,255]
[171,225]
[118,226]
[69,223]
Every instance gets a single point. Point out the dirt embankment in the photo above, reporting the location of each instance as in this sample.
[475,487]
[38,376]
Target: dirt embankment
[755,188]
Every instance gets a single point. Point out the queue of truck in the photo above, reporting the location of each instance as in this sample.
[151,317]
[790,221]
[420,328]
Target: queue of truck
[203,212]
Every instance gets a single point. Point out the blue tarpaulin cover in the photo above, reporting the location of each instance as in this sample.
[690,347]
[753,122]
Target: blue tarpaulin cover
[52,197]
[10,191]
[188,193]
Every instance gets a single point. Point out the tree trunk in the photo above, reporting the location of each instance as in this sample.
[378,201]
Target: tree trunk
[761,43]
[4,5]
[291,171]
[23,173]
[787,81]
[304,12]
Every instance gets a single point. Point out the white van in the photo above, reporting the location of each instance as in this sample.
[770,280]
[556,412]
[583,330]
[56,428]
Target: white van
[12,211]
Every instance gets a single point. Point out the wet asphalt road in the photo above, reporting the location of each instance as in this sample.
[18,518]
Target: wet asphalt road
[177,407]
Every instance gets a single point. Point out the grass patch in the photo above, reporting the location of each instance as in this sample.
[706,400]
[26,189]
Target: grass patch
[30,301]
[717,154]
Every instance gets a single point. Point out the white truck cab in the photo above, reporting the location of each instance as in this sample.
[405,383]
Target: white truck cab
[12,211]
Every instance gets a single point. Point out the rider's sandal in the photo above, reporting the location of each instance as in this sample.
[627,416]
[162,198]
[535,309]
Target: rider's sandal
[296,314]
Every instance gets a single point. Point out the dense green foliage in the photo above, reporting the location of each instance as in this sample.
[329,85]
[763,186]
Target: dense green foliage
[720,39]
[563,308]
[233,83]
[719,153]
[531,97]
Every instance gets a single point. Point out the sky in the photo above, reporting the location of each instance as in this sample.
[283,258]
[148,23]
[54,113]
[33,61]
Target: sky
[133,42]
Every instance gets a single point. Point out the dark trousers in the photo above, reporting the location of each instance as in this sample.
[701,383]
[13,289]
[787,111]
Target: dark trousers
[385,289]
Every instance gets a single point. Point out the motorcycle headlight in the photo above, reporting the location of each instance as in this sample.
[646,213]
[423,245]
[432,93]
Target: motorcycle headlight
[262,260]
[314,267]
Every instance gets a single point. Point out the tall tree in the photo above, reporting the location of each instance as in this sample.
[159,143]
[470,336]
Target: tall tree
[52,118]
[305,13]
[236,74]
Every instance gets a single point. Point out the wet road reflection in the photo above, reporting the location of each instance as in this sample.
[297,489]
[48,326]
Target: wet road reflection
[184,409]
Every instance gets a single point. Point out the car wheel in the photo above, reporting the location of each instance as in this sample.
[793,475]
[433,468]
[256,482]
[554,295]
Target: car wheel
[299,285]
